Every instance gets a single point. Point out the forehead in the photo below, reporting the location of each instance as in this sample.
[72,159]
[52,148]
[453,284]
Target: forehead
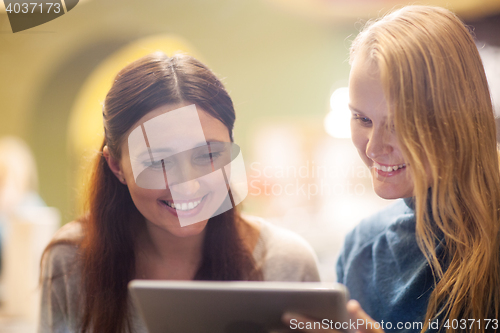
[366,93]
[179,118]
[204,117]
[175,128]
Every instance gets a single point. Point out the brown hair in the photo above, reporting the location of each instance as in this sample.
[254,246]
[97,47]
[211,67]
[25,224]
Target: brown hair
[441,109]
[107,248]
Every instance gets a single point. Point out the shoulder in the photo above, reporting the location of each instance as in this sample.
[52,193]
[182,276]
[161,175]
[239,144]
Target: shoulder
[276,240]
[370,228]
[283,254]
[71,231]
[373,231]
[62,254]
[60,281]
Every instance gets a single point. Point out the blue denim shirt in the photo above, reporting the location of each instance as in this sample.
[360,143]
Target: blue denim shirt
[385,270]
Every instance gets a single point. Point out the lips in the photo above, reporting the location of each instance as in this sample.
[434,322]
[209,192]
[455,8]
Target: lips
[386,170]
[184,208]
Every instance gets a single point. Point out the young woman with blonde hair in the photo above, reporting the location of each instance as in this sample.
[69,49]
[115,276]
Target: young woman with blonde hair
[422,121]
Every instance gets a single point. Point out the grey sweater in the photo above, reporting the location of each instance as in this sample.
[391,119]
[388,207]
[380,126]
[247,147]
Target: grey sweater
[282,254]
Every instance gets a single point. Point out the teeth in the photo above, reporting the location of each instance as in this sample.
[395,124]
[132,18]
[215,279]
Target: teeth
[388,168]
[183,206]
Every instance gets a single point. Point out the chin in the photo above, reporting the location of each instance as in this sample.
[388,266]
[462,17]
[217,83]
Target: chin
[187,231]
[387,196]
[389,193]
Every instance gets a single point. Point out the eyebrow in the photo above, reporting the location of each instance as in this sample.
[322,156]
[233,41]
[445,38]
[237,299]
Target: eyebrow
[210,140]
[353,109]
[145,154]
[361,112]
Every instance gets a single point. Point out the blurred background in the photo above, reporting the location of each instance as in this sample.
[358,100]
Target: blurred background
[285,64]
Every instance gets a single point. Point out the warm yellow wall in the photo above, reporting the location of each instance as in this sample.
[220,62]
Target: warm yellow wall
[346,11]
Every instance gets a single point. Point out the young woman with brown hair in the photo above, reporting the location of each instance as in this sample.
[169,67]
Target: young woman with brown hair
[422,121]
[133,230]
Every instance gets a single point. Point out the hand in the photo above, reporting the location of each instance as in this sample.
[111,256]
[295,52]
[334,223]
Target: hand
[353,308]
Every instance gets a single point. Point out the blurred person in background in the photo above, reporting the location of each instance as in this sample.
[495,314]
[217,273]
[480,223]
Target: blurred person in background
[422,121]
[132,228]
[18,181]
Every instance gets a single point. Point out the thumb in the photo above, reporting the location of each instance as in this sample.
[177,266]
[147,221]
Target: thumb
[368,324]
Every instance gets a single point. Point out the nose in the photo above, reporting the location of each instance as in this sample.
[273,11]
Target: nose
[379,143]
[186,189]
[183,178]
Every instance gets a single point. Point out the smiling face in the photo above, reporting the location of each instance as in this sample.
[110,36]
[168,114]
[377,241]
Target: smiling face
[372,134]
[191,199]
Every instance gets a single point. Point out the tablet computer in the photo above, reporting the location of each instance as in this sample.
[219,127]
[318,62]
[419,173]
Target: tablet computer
[235,307]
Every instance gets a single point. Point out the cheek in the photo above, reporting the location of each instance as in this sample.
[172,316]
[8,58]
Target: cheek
[359,137]
[142,196]
[214,181]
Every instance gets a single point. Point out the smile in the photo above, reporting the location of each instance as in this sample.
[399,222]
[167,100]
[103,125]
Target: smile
[388,168]
[184,206]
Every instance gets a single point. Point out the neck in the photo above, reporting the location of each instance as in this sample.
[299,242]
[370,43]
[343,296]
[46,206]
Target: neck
[162,255]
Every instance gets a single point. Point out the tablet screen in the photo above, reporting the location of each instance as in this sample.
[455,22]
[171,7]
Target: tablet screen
[235,307]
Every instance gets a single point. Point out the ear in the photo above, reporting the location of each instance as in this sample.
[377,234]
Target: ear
[114,165]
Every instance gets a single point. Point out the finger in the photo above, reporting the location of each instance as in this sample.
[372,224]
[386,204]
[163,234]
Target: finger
[369,325]
[295,321]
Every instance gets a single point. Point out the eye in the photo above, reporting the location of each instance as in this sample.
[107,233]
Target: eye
[364,121]
[157,165]
[216,154]
[207,158]
[154,165]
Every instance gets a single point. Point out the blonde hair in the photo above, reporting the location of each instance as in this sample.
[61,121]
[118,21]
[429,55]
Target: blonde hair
[441,108]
